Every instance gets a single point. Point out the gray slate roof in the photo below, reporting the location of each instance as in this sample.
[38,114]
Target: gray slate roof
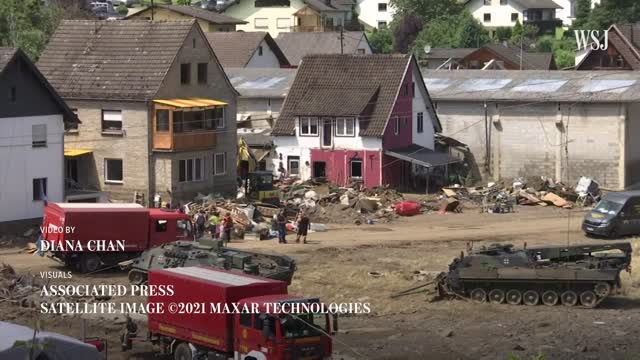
[539,4]
[261,82]
[235,49]
[196,12]
[6,54]
[112,59]
[345,80]
[296,45]
[531,61]
[533,85]
[631,32]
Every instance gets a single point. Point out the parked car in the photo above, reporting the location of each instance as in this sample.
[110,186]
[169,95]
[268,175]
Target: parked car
[618,213]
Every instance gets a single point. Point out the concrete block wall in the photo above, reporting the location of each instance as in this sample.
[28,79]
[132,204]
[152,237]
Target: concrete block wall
[529,139]
[131,147]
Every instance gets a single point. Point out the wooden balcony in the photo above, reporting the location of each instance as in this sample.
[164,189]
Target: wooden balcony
[186,128]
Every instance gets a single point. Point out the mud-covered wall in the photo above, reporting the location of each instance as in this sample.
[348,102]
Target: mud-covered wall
[559,140]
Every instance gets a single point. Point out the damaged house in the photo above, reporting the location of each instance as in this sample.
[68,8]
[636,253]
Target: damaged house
[366,118]
[155,104]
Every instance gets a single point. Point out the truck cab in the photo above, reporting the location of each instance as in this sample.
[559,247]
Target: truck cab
[275,334]
[168,226]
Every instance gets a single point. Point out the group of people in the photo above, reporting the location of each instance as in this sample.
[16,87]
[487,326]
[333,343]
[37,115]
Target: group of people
[302,222]
[211,221]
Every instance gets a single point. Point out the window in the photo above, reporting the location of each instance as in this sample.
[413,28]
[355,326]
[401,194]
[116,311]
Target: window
[396,128]
[487,17]
[406,89]
[413,89]
[193,120]
[572,8]
[420,122]
[345,127]
[259,50]
[214,118]
[72,127]
[504,2]
[162,120]
[193,42]
[356,168]
[309,126]
[39,135]
[382,7]
[382,24]
[161,225]
[360,51]
[189,170]
[178,121]
[514,17]
[13,95]
[112,120]
[245,319]
[283,23]
[261,23]
[113,171]
[257,321]
[202,73]
[487,2]
[220,163]
[185,74]
[39,189]
[293,165]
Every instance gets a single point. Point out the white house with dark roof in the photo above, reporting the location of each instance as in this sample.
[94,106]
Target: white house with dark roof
[558,124]
[353,117]
[32,121]
[505,13]
[375,13]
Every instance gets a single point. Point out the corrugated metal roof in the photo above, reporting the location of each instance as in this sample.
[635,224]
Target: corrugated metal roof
[533,85]
[261,82]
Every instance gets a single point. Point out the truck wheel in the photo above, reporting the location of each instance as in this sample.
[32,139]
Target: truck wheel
[137,277]
[182,352]
[89,263]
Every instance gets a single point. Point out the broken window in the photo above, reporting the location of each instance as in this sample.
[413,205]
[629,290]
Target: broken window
[39,189]
[162,120]
[111,120]
[220,163]
[356,168]
[190,170]
[420,122]
[39,135]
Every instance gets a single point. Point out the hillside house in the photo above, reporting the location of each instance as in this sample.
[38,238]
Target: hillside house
[155,104]
[295,46]
[247,49]
[209,21]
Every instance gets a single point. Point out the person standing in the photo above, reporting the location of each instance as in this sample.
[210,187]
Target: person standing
[227,226]
[214,222]
[200,222]
[303,227]
[282,228]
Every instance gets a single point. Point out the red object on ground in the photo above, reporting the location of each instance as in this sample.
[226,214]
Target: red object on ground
[407,208]
[291,227]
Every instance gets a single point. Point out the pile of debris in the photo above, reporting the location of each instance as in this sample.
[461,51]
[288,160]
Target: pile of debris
[326,202]
[503,196]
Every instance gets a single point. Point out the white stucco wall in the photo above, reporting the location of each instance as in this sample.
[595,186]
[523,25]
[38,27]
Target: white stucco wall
[267,60]
[301,145]
[21,163]
[369,14]
[419,104]
[246,10]
[500,14]
[364,44]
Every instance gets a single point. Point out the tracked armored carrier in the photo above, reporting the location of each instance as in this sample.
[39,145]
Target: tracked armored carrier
[569,275]
[210,253]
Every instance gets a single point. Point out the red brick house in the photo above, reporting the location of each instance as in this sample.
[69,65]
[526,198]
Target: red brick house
[357,117]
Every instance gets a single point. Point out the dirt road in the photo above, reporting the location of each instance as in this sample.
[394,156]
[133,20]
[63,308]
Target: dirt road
[336,264]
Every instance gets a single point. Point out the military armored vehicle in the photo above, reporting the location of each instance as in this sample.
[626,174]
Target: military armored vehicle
[569,275]
[211,253]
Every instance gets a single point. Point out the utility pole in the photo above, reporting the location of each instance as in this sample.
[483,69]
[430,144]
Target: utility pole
[152,10]
[342,39]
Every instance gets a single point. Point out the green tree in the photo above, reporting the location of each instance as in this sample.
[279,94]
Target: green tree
[583,10]
[381,40]
[564,50]
[611,12]
[524,35]
[503,34]
[122,9]
[427,10]
[183,2]
[458,31]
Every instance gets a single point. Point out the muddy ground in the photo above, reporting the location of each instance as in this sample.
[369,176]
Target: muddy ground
[335,266]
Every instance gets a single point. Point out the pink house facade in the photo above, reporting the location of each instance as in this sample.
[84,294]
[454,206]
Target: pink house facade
[347,117]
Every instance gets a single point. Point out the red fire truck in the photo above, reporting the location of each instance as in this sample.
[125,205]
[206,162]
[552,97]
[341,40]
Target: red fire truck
[88,236]
[195,322]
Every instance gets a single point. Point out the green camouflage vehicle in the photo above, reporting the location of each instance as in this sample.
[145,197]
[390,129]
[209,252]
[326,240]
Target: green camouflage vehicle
[569,275]
[210,253]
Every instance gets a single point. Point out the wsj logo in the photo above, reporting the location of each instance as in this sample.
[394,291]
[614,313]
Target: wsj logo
[582,39]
